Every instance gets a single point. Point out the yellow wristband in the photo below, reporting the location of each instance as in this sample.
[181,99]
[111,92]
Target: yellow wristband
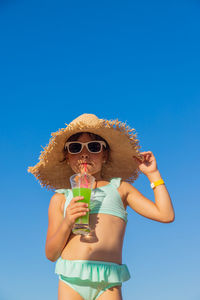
[156,183]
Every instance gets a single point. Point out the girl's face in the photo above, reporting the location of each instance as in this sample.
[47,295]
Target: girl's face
[94,161]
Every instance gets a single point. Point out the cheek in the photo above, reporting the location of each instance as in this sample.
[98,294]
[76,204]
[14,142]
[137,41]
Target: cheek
[73,160]
[98,159]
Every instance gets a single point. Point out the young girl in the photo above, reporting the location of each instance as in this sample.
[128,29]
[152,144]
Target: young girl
[90,266]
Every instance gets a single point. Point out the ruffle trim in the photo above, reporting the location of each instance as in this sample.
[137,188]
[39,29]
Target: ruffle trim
[95,271]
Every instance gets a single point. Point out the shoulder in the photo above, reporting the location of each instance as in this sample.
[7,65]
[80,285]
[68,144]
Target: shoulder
[126,189]
[57,202]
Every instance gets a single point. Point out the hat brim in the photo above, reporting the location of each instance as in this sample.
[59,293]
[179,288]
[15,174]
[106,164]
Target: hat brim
[54,173]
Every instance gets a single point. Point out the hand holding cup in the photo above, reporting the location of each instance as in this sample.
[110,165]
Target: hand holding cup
[82,185]
[75,210]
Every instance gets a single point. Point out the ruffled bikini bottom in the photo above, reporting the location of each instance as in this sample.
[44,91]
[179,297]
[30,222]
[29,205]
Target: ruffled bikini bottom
[91,278]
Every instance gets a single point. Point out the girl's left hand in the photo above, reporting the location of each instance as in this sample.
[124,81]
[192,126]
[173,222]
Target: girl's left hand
[148,162]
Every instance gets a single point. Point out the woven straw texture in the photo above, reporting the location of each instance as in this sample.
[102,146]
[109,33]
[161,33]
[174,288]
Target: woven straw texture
[123,142]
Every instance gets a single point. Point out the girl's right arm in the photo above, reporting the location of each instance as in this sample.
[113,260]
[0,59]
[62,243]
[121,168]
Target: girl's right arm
[59,227]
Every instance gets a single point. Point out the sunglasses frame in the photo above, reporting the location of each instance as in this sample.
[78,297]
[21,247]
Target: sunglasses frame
[67,144]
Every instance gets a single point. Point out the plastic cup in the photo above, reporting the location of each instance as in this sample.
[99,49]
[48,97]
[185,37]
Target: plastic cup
[82,185]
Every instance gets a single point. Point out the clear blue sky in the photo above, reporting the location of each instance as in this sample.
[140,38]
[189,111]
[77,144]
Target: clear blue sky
[137,61]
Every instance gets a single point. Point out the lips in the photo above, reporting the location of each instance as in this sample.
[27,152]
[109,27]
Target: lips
[84,166]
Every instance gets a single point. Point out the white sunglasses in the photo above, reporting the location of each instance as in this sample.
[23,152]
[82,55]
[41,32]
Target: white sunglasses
[92,147]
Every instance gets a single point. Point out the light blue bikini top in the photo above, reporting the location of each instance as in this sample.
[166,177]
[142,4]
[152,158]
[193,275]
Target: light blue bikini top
[104,200]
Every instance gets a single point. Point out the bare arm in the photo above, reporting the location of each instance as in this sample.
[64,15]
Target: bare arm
[161,210]
[162,198]
[59,227]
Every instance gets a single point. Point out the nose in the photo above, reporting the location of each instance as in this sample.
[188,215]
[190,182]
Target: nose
[84,153]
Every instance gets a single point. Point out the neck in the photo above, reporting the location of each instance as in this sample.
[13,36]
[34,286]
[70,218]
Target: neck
[98,176]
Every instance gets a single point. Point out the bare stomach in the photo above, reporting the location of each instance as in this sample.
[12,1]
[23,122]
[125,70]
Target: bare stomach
[104,243]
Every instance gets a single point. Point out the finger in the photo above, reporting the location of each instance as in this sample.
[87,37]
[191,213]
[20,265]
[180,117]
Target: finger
[137,159]
[78,215]
[75,200]
[146,152]
[76,210]
[79,204]
[142,155]
[147,158]
[78,198]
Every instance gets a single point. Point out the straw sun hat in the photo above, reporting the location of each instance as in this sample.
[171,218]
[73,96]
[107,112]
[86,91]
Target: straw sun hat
[52,170]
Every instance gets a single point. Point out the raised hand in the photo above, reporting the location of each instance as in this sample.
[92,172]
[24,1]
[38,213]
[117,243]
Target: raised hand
[147,164]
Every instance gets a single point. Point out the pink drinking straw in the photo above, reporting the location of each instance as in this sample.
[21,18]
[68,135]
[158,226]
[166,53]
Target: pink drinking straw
[86,184]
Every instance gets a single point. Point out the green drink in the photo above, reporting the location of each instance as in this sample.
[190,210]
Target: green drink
[86,193]
[81,186]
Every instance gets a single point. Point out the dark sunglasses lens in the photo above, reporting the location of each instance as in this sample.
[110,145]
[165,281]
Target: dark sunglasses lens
[94,147]
[74,147]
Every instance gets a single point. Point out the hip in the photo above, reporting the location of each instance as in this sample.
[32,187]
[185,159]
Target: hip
[92,270]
